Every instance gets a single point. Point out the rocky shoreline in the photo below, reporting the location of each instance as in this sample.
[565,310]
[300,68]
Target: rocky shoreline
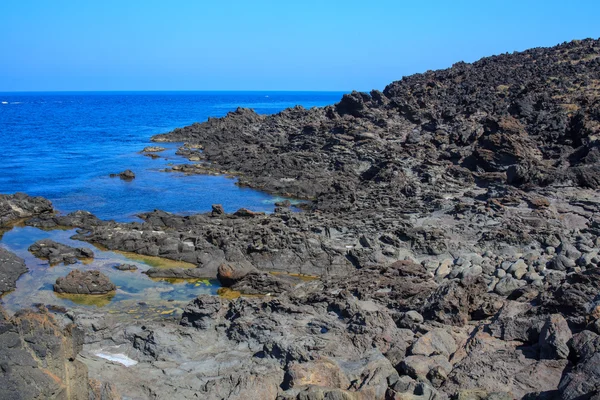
[452,220]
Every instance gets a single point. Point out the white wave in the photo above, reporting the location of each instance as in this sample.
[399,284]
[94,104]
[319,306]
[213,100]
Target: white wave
[5,102]
[119,358]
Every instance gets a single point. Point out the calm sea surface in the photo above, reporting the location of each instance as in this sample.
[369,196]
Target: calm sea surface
[63,146]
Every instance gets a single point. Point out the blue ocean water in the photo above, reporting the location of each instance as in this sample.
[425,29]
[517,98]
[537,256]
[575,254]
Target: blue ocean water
[63,146]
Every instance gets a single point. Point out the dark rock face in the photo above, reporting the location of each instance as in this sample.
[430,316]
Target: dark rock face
[39,360]
[11,267]
[57,253]
[17,206]
[126,175]
[84,282]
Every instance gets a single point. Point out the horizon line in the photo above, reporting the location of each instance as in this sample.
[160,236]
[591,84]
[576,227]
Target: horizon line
[180,91]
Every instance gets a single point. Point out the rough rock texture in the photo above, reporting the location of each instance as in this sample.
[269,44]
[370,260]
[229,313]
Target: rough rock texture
[57,253]
[126,175]
[126,267]
[453,224]
[11,267]
[84,282]
[19,205]
[38,360]
[179,273]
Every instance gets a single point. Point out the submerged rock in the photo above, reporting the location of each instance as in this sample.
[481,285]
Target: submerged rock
[57,253]
[126,267]
[153,149]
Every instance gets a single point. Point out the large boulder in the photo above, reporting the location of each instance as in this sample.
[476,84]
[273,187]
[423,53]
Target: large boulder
[230,273]
[84,282]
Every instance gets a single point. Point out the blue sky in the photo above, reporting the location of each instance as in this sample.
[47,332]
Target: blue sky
[264,44]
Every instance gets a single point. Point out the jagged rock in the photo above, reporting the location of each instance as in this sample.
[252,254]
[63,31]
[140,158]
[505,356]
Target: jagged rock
[554,336]
[583,381]
[495,365]
[57,253]
[456,302]
[217,209]
[84,282]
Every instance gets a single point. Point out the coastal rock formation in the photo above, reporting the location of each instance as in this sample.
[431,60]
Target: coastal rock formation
[39,360]
[126,175]
[11,268]
[84,282]
[57,253]
[19,205]
[153,149]
[453,224]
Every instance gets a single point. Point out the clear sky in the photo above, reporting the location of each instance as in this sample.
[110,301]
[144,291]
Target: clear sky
[265,45]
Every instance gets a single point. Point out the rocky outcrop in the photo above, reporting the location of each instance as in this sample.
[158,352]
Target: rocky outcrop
[11,268]
[126,175]
[84,282]
[153,149]
[57,253]
[19,205]
[39,360]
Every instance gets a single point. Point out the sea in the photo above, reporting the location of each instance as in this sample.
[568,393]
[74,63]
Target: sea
[64,146]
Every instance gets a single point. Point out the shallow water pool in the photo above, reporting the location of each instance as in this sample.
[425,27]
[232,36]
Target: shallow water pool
[136,292]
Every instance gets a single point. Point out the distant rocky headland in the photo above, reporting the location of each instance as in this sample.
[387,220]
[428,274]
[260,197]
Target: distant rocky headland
[448,246]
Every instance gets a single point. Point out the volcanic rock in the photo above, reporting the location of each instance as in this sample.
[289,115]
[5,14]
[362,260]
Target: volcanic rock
[126,175]
[84,282]
[57,253]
